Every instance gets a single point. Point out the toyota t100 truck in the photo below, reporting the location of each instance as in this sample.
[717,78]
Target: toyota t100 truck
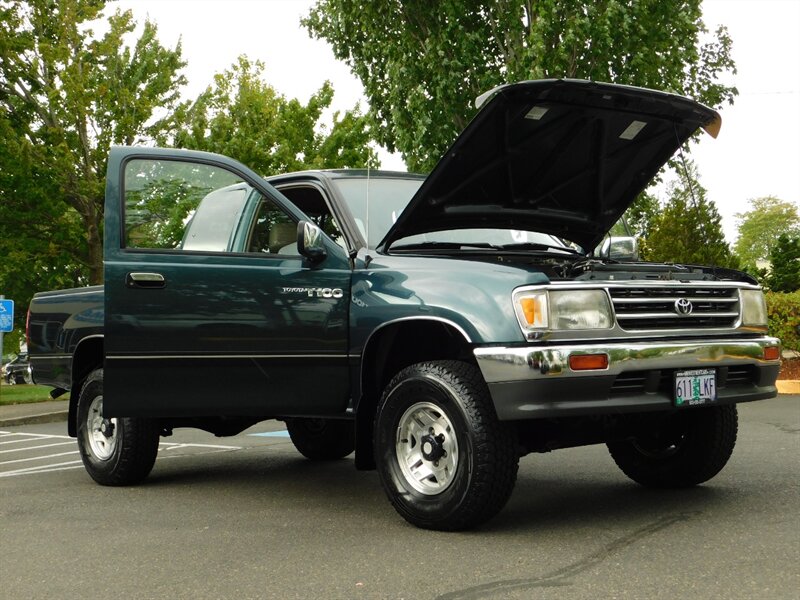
[440,327]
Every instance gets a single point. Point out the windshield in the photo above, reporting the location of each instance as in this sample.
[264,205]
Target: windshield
[387,197]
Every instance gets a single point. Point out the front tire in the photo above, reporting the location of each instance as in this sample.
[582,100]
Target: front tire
[117,451]
[444,459]
[689,448]
[322,439]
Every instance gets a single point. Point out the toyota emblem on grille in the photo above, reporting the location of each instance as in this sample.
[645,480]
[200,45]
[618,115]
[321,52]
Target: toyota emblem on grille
[683,306]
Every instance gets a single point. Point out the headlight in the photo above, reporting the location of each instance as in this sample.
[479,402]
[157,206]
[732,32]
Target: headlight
[561,310]
[580,309]
[754,308]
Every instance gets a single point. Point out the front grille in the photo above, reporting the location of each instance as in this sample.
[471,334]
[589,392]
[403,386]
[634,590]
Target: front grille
[656,308]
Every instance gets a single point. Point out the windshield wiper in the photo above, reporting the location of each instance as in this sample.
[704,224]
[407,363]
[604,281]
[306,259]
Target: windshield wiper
[533,246]
[519,247]
[447,246]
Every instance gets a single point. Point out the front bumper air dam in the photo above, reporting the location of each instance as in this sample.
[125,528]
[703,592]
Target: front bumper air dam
[533,382]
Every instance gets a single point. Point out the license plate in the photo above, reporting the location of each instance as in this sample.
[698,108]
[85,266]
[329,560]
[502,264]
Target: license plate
[695,387]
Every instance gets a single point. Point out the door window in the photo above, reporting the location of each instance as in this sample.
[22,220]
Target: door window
[177,205]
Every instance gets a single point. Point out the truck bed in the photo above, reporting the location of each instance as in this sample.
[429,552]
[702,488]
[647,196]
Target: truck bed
[58,322]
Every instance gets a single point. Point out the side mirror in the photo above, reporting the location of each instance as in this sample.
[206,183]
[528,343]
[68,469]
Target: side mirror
[620,248]
[309,242]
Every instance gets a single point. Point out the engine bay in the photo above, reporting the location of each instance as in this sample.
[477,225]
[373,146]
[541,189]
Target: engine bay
[559,268]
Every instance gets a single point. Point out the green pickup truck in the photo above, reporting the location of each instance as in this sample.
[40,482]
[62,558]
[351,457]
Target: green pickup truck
[441,327]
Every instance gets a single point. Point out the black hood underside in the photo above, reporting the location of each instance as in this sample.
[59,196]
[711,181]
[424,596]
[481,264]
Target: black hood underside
[563,157]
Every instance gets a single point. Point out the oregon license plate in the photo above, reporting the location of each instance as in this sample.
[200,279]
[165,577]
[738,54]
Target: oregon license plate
[695,387]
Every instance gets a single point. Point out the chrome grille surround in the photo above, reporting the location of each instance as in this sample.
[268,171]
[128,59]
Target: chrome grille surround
[656,308]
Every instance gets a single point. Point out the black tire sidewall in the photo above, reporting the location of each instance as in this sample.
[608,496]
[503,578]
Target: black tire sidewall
[136,444]
[710,439]
[410,502]
[322,439]
[96,466]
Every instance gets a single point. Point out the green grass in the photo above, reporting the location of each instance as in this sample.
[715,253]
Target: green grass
[24,394]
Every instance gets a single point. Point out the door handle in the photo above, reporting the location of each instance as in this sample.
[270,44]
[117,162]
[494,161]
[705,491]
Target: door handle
[145,280]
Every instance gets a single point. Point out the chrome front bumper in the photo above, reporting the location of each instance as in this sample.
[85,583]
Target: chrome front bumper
[531,382]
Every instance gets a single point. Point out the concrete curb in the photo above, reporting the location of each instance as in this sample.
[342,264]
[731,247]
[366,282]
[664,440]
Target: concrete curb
[788,386]
[51,417]
[30,413]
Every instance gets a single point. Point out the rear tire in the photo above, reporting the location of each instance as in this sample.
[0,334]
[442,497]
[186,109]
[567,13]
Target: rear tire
[117,451]
[322,439]
[691,447]
[445,461]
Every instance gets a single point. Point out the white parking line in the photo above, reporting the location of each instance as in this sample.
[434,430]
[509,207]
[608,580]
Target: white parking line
[20,438]
[36,447]
[44,469]
[35,435]
[19,460]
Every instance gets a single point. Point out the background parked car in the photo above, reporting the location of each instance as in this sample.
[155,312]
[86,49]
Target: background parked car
[18,370]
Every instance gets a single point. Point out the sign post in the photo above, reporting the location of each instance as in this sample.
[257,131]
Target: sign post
[6,320]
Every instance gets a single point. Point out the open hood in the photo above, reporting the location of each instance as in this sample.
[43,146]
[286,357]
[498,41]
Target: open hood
[559,156]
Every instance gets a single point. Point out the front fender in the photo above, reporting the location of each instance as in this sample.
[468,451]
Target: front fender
[473,297]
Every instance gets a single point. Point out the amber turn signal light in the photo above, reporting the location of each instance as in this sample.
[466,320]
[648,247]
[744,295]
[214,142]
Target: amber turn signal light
[588,362]
[772,353]
[533,310]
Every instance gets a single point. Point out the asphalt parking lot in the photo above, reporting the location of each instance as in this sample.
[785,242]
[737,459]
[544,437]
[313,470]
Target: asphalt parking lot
[248,517]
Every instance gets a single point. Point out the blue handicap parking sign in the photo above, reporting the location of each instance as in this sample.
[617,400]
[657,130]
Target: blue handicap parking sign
[6,316]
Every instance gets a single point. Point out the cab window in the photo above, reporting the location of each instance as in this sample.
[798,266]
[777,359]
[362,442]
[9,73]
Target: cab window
[273,231]
[310,200]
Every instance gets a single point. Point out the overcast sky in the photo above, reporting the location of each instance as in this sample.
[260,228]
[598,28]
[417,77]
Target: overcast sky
[756,154]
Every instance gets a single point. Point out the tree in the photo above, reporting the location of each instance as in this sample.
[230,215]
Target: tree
[785,259]
[641,214]
[762,225]
[423,63]
[243,117]
[688,229]
[66,96]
